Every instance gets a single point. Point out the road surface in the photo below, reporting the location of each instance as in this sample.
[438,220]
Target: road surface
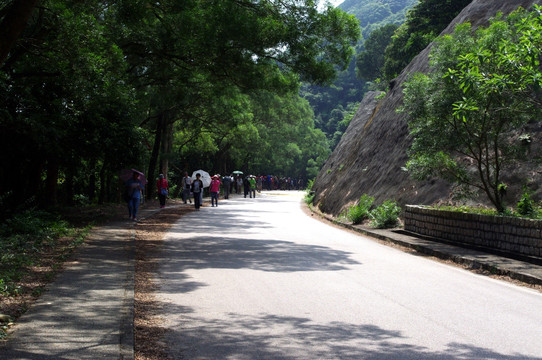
[259,279]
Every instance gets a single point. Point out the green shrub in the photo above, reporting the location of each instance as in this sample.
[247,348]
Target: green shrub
[386,215]
[357,213]
[309,196]
[526,206]
[21,239]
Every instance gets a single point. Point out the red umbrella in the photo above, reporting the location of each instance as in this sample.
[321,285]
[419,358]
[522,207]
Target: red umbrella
[126,174]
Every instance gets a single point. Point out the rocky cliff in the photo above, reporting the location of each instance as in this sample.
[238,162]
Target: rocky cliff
[372,153]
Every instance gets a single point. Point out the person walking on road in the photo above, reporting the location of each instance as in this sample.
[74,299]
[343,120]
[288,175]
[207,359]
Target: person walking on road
[226,182]
[252,187]
[134,187]
[197,189]
[162,187]
[238,183]
[215,190]
[187,185]
[246,186]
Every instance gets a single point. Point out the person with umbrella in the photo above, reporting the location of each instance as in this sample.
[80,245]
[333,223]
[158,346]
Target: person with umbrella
[197,189]
[134,187]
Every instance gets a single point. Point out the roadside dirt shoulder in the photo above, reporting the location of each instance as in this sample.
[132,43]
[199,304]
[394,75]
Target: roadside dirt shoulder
[148,329]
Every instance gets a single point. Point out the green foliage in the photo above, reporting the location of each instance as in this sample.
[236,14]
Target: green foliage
[309,198]
[309,194]
[526,205]
[370,61]
[424,22]
[359,212]
[374,14]
[483,85]
[468,209]
[385,215]
[310,183]
[536,212]
[91,88]
[22,238]
[333,104]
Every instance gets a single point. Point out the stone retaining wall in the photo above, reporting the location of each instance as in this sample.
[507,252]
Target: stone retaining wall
[515,236]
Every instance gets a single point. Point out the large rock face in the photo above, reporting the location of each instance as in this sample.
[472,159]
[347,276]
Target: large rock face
[372,152]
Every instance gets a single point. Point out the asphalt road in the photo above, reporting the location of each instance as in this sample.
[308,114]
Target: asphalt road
[259,279]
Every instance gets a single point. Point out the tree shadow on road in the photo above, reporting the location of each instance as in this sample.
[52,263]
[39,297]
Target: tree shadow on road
[258,254]
[284,337]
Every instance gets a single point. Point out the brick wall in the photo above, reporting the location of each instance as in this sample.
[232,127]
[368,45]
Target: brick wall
[516,236]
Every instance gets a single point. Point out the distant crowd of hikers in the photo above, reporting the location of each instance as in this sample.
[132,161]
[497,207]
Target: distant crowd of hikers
[193,188]
[262,182]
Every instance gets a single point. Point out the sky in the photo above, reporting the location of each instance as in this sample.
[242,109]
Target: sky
[332,2]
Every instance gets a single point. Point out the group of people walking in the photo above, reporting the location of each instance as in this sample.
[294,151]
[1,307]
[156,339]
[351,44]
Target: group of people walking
[194,187]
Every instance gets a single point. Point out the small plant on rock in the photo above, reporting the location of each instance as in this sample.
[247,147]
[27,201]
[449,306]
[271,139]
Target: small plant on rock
[309,194]
[386,215]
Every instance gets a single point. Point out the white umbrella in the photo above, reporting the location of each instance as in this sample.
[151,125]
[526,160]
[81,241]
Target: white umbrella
[205,177]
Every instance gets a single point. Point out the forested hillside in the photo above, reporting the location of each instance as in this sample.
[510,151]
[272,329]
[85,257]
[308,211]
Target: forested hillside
[373,14]
[335,105]
[88,88]
[393,32]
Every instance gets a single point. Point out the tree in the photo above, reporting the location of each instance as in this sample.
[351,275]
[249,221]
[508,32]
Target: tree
[67,111]
[14,16]
[225,47]
[90,87]
[424,22]
[484,85]
[370,61]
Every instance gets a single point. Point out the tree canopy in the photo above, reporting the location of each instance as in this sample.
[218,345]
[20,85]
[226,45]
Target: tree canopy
[91,87]
[424,22]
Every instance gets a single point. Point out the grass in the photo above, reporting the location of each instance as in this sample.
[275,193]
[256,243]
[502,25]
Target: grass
[33,246]
[535,214]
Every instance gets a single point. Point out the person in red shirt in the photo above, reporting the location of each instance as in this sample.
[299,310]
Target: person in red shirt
[162,187]
[215,189]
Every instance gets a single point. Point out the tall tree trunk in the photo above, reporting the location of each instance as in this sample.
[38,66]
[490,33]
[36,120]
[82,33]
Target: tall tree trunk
[107,186]
[91,193]
[69,187]
[167,145]
[154,155]
[51,182]
[13,24]
[101,197]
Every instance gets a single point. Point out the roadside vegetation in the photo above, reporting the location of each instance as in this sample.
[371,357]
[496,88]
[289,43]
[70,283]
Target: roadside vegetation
[309,194]
[467,116]
[90,88]
[359,212]
[383,216]
[34,246]
[526,208]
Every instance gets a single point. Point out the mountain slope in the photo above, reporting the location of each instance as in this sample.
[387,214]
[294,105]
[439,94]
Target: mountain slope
[370,156]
